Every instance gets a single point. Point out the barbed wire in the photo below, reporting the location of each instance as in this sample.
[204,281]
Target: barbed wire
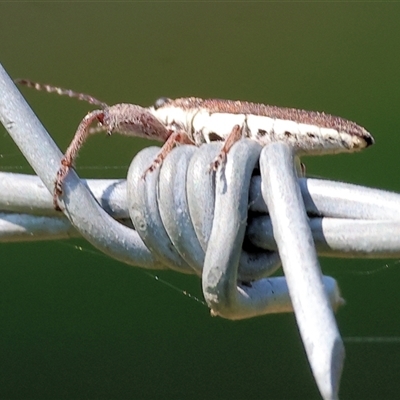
[232,229]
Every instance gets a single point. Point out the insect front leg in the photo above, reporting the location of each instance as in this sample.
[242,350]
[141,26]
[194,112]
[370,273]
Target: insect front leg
[67,161]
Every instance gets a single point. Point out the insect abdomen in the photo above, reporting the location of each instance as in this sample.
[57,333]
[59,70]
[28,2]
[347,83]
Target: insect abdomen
[306,138]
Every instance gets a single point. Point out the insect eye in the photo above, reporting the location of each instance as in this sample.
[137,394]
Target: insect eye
[161,102]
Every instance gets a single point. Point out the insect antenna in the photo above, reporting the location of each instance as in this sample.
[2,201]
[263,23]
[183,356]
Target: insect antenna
[61,92]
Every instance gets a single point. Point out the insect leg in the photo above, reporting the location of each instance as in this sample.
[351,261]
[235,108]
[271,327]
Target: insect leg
[232,138]
[70,155]
[174,138]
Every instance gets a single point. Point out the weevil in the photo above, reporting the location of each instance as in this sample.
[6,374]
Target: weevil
[196,121]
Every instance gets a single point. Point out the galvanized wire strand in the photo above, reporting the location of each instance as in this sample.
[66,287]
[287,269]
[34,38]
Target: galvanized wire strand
[324,198]
[21,193]
[363,222]
[337,237]
[17,227]
[336,199]
[292,233]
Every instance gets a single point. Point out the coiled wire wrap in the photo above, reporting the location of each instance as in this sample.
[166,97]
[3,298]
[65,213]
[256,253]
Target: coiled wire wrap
[173,210]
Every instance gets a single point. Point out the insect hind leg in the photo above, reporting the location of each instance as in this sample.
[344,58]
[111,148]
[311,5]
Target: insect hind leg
[233,137]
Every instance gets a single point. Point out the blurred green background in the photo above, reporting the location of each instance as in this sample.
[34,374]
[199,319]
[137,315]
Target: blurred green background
[75,324]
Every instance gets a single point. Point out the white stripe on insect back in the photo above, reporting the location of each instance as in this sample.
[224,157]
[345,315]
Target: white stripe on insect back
[207,127]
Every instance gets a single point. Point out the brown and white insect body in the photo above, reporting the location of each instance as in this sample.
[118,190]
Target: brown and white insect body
[196,121]
[308,132]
